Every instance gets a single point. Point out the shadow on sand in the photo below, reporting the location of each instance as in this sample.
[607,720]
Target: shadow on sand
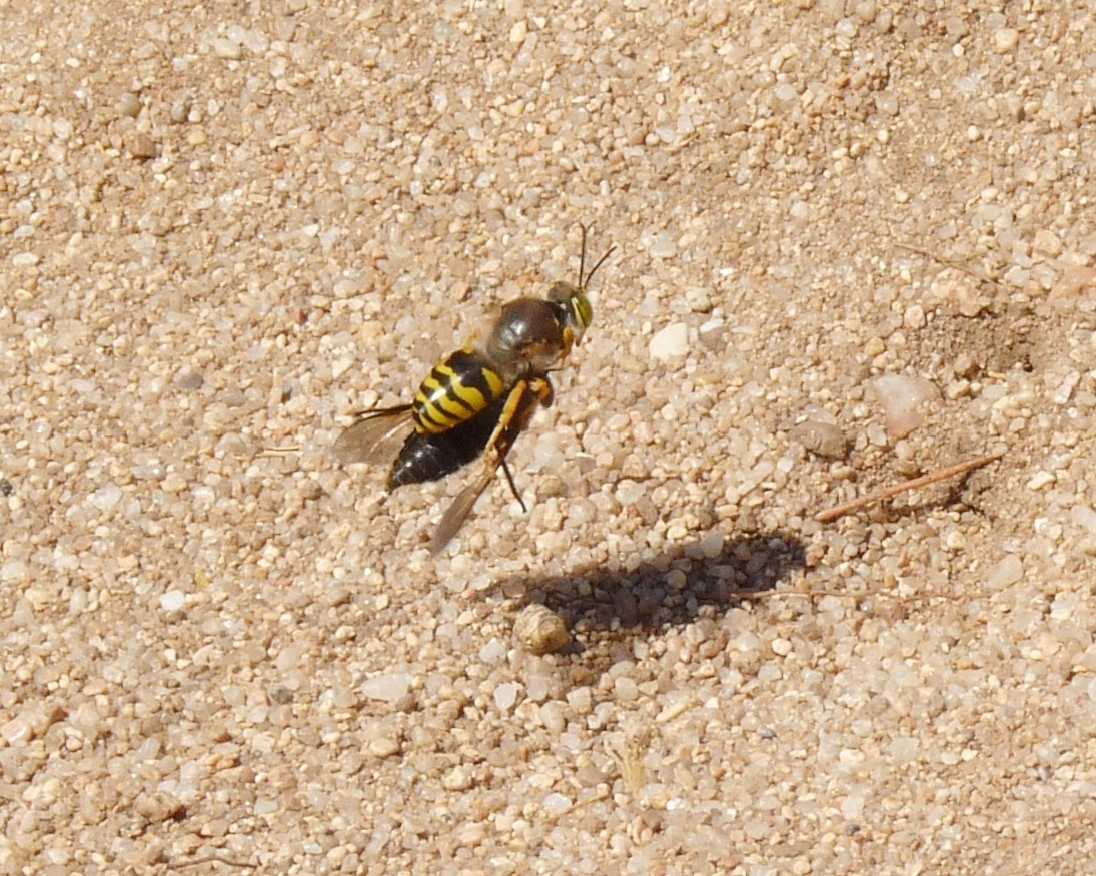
[607,610]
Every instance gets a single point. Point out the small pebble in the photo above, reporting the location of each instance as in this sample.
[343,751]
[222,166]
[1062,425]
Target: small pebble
[1005,39]
[541,630]
[671,342]
[387,688]
[663,247]
[903,398]
[821,438]
[506,695]
[1008,571]
[227,49]
[173,600]
[129,105]
[141,145]
[106,497]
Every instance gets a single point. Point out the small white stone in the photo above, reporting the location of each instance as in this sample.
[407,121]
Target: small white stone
[698,299]
[556,804]
[457,779]
[226,48]
[13,571]
[1005,39]
[518,32]
[340,366]
[914,316]
[781,647]
[24,260]
[1065,389]
[384,745]
[1040,480]
[1007,572]
[387,688]
[506,695]
[106,497]
[902,398]
[663,247]
[904,749]
[671,342]
[492,652]
[173,600]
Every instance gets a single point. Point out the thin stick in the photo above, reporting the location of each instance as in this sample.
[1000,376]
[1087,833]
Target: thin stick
[943,474]
[209,859]
[958,266]
[277,451]
[841,594]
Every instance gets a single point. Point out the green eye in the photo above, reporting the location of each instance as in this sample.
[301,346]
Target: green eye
[584,313]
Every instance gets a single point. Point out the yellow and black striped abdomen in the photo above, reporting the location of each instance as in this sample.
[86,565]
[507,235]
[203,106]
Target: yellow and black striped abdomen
[455,390]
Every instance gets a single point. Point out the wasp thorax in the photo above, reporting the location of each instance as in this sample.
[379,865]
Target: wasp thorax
[528,337]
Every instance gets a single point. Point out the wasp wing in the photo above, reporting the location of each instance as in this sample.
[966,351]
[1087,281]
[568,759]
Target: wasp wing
[458,511]
[375,436]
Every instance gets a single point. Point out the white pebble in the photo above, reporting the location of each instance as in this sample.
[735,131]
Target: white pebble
[556,804]
[1083,516]
[1040,480]
[106,497]
[1007,572]
[1005,39]
[492,652]
[1065,389]
[663,247]
[387,688]
[226,48]
[289,657]
[506,695]
[902,397]
[781,647]
[904,749]
[13,571]
[671,342]
[24,260]
[173,600]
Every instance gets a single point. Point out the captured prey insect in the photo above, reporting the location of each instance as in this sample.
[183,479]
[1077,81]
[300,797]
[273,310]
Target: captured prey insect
[477,400]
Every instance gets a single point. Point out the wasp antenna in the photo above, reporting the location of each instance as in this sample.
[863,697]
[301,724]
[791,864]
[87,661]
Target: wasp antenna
[582,258]
[593,270]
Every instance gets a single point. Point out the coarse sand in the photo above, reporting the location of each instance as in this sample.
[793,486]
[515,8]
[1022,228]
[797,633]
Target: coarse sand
[856,244]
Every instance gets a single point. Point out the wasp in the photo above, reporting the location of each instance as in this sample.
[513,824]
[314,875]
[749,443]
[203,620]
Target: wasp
[477,399]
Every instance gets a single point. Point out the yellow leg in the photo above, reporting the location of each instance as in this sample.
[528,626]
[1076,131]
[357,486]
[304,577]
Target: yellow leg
[513,401]
[542,386]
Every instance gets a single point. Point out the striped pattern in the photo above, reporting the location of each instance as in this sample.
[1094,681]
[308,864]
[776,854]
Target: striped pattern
[455,390]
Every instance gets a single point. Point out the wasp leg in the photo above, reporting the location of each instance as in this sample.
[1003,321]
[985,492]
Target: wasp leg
[513,489]
[542,386]
[498,445]
[509,411]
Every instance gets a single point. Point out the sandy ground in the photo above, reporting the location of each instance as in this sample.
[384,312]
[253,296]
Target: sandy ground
[226,225]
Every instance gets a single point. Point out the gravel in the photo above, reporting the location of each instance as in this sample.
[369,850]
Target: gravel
[226,226]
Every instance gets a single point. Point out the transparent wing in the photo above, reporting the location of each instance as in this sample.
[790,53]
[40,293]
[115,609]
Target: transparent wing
[375,437]
[457,513]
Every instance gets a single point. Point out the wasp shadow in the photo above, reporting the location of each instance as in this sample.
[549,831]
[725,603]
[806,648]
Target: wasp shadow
[607,610]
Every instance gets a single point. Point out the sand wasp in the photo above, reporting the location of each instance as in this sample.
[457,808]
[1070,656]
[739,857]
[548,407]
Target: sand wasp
[477,400]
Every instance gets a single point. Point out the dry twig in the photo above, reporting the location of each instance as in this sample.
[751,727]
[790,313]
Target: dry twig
[943,474]
[948,263]
[209,859]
